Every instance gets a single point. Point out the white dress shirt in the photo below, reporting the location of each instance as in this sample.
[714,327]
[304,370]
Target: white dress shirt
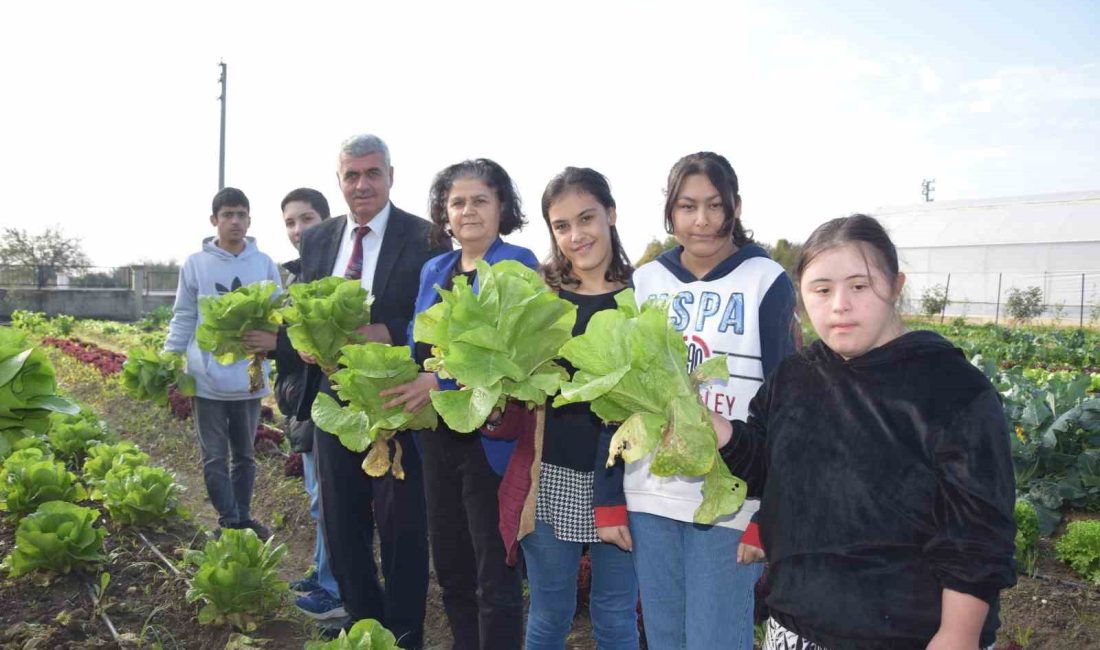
[372,244]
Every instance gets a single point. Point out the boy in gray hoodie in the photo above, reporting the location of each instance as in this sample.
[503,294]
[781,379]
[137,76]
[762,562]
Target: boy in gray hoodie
[226,412]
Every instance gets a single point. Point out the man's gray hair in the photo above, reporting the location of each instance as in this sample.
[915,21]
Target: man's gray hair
[365,144]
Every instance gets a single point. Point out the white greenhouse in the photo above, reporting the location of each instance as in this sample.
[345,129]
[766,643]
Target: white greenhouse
[980,250]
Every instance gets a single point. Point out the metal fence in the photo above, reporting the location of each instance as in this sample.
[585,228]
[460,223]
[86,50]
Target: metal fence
[1068,298]
[51,277]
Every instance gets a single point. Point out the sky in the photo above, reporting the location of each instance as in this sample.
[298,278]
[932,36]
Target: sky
[109,126]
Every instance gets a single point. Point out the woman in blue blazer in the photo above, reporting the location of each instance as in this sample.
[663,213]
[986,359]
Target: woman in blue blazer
[473,202]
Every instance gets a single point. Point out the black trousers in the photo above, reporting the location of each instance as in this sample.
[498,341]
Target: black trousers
[352,504]
[483,596]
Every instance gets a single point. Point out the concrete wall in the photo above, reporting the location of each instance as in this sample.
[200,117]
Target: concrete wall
[107,304]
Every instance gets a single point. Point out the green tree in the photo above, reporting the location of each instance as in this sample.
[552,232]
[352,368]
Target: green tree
[654,248]
[49,252]
[786,253]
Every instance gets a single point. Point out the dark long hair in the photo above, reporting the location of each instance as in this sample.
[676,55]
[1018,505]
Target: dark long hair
[722,177]
[488,172]
[558,270]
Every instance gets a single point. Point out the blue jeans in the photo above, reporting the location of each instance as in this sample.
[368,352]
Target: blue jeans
[227,432]
[695,595]
[320,555]
[552,579]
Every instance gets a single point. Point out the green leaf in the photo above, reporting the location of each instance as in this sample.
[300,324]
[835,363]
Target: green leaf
[11,366]
[636,437]
[350,426]
[723,494]
[466,409]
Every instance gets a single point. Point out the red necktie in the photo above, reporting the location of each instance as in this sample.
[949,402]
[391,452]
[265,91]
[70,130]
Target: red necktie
[354,270]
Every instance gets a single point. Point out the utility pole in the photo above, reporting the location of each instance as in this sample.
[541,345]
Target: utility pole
[221,149]
[927,187]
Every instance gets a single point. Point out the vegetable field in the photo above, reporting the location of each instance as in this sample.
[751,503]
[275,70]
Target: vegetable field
[104,520]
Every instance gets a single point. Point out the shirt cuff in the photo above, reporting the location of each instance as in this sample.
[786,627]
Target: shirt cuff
[751,536]
[610,516]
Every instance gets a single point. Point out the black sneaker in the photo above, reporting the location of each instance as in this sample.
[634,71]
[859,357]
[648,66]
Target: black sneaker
[261,530]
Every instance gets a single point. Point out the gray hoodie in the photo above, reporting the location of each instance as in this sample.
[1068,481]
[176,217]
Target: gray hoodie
[213,272]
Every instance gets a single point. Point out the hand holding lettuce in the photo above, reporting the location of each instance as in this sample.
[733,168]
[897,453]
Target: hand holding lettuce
[368,370]
[324,316]
[632,367]
[226,318]
[497,344]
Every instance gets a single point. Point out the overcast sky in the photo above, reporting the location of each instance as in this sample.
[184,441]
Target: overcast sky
[109,125]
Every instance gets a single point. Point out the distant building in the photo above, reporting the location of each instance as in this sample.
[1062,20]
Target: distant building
[1051,241]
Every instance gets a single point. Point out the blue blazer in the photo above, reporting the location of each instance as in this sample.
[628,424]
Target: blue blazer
[436,271]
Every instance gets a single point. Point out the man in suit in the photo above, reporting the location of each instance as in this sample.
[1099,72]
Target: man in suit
[384,247]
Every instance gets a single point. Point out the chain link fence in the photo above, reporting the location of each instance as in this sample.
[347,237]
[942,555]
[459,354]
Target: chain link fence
[1063,298]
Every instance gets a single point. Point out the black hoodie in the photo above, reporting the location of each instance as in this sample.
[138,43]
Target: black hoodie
[884,480]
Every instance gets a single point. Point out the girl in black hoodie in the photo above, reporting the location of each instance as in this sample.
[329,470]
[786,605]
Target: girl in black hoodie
[882,458]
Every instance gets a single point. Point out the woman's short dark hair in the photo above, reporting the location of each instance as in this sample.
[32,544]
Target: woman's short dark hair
[558,271]
[859,229]
[315,199]
[720,172]
[228,196]
[486,171]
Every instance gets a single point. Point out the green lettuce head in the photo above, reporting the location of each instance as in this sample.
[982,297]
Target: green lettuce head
[29,478]
[632,367]
[58,537]
[226,318]
[369,369]
[148,373]
[323,316]
[497,344]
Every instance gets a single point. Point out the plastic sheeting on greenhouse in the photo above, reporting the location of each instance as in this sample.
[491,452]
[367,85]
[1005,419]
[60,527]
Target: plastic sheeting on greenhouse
[981,250]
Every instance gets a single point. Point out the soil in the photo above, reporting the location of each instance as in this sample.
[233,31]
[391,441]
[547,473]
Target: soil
[1055,610]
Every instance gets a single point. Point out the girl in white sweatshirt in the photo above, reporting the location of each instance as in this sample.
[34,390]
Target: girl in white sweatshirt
[728,298]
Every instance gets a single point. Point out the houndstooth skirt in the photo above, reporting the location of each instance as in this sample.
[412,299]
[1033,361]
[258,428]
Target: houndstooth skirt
[565,502]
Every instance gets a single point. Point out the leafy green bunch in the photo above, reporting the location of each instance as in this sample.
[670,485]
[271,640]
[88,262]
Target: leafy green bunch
[29,478]
[226,318]
[323,316]
[141,495]
[369,369]
[366,634]
[71,435]
[58,537]
[498,343]
[12,440]
[28,386]
[237,578]
[632,366]
[1080,548]
[1027,534]
[103,458]
[148,373]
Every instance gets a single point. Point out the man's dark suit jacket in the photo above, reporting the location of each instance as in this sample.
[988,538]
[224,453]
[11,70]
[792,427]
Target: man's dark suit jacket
[404,250]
